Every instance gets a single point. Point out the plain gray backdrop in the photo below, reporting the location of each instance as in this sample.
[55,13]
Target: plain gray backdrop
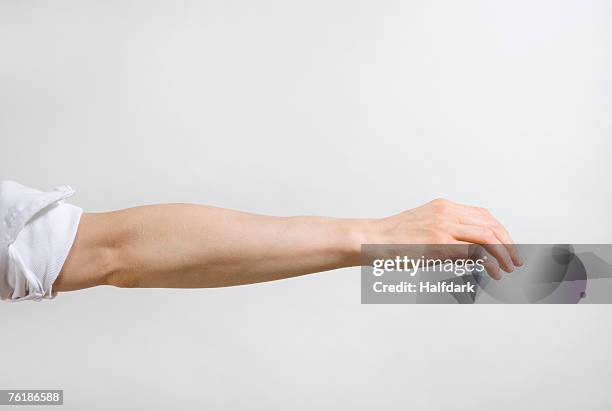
[342,108]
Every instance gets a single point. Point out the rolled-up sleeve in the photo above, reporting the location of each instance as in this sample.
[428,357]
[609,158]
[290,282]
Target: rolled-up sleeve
[37,230]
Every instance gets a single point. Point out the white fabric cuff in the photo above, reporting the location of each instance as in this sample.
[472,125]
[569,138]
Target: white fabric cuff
[38,230]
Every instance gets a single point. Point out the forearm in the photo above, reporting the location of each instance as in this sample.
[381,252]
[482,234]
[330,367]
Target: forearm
[184,245]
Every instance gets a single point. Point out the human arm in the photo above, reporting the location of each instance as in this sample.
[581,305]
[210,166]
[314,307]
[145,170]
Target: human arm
[190,246]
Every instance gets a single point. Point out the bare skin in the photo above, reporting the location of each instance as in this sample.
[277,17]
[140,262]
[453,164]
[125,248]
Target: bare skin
[193,246]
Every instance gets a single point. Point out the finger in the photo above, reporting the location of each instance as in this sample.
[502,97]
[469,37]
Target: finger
[484,236]
[478,252]
[480,216]
[500,233]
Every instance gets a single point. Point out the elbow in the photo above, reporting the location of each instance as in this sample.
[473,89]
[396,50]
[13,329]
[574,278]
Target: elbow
[89,266]
[117,272]
[97,257]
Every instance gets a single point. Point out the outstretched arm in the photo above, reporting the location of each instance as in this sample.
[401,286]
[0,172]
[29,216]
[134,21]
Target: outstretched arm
[187,246]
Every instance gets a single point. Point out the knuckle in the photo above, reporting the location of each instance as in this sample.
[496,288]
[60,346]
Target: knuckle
[487,235]
[483,230]
[441,205]
[495,225]
[490,238]
[440,201]
[487,213]
[494,229]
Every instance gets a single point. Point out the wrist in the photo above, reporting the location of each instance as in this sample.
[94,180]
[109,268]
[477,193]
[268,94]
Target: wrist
[359,232]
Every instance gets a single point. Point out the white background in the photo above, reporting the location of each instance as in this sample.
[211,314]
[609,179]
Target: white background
[342,108]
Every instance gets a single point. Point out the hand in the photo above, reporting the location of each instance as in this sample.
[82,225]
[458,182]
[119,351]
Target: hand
[442,222]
